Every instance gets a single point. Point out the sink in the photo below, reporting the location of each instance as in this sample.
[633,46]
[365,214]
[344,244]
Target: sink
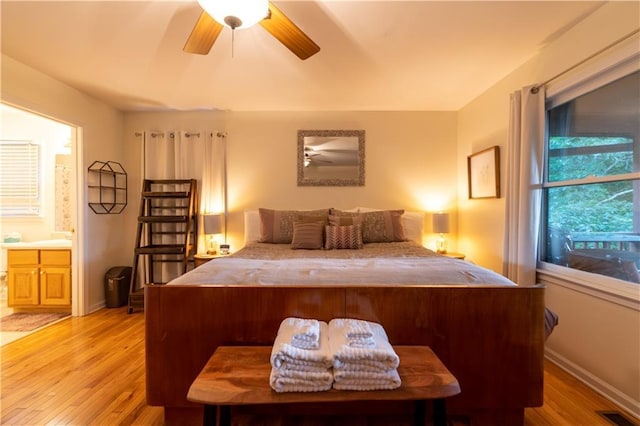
[49,243]
[58,243]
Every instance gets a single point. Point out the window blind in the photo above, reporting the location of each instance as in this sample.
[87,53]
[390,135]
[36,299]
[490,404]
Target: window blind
[20,192]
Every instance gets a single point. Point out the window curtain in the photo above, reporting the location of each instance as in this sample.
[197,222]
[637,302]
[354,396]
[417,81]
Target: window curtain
[188,155]
[524,179]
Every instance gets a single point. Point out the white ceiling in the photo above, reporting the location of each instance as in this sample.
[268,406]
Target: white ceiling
[375,55]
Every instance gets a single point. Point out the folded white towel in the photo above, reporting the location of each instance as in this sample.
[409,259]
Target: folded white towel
[350,380]
[354,328]
[305,333]
[358,332]
[381,357]
[286,356]
[368,342]
[283,380]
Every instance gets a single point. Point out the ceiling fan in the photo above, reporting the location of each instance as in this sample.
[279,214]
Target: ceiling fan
[234,14]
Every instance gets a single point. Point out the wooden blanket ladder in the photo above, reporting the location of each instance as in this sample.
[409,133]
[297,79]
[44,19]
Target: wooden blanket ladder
[167,234]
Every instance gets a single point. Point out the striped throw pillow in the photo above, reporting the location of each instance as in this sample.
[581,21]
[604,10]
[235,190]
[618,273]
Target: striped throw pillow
[307,235]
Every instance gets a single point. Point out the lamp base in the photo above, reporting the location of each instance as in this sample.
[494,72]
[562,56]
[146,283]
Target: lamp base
[441,245]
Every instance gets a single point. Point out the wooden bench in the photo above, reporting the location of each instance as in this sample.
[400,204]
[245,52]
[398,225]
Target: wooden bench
[239,375]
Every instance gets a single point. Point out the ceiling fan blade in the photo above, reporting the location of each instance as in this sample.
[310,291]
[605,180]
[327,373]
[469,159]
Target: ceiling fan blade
[203,35]
[281,27]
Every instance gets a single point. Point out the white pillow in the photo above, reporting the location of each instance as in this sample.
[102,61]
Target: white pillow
[412,222]
[362,210]
[251,226]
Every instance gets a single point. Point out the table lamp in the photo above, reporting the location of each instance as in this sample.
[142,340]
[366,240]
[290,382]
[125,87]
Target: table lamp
[212,226]
[441,226]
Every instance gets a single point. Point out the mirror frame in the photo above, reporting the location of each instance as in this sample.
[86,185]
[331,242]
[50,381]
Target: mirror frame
[359,181]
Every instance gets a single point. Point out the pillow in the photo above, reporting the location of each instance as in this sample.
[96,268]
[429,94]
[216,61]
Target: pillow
[251,226]
[307,235]
[343,237]
[276,226]
[309,218]
[345,220]
[362,210]
[382,226]
[412,222]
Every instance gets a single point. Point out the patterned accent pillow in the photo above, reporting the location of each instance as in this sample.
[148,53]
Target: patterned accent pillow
[345,220]
[343,237]
[276,226]
[305,217]
[307,235]
[384,226]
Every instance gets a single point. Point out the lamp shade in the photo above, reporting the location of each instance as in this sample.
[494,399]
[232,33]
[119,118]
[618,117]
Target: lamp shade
[212,223]
[236,13]
[441,223]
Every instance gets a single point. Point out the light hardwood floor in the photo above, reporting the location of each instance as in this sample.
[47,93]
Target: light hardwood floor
[90,371]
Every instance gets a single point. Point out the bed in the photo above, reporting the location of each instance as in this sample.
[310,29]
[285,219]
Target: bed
[488,331]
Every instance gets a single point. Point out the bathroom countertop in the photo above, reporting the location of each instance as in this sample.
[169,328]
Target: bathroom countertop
[42,244]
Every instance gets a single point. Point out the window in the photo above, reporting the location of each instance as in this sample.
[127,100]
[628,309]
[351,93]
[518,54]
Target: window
[591,212]
[20,192]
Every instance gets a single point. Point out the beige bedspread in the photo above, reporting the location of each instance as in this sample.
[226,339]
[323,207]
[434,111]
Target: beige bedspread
[402,263]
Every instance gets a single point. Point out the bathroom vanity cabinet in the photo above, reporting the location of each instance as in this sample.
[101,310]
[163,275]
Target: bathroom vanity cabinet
[39,277]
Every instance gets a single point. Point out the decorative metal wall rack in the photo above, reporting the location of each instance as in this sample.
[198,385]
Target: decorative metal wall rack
[107,184]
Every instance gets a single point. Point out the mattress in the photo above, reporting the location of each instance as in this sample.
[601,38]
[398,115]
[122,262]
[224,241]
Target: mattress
[400,263]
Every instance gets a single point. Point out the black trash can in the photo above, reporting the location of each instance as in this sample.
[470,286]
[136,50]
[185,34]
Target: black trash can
[116,286]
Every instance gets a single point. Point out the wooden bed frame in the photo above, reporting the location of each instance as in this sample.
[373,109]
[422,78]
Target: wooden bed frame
[491,338]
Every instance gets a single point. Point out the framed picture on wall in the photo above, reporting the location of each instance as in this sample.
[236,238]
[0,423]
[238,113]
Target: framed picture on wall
[483,170]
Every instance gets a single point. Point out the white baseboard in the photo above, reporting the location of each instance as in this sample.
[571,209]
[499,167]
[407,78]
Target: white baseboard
[619,398]
[96,307]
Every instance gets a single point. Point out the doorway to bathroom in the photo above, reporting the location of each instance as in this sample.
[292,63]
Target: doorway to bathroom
[38,190]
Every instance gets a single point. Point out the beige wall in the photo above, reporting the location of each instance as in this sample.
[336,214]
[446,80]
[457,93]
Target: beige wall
[410,159]
[102,129]
[609,351]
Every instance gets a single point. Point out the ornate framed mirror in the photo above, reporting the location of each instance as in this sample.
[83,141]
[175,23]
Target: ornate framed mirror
[331,157]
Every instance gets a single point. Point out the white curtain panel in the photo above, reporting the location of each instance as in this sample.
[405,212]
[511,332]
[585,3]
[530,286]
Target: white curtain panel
[525,152]
[181,154]
[213,188]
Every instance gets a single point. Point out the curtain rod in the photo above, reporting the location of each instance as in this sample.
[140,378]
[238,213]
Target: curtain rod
[537,87]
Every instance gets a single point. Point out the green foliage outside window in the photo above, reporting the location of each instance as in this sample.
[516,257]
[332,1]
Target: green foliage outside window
[601,207]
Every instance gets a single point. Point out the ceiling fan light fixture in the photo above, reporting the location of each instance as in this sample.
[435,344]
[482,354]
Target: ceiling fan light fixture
[236,13]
